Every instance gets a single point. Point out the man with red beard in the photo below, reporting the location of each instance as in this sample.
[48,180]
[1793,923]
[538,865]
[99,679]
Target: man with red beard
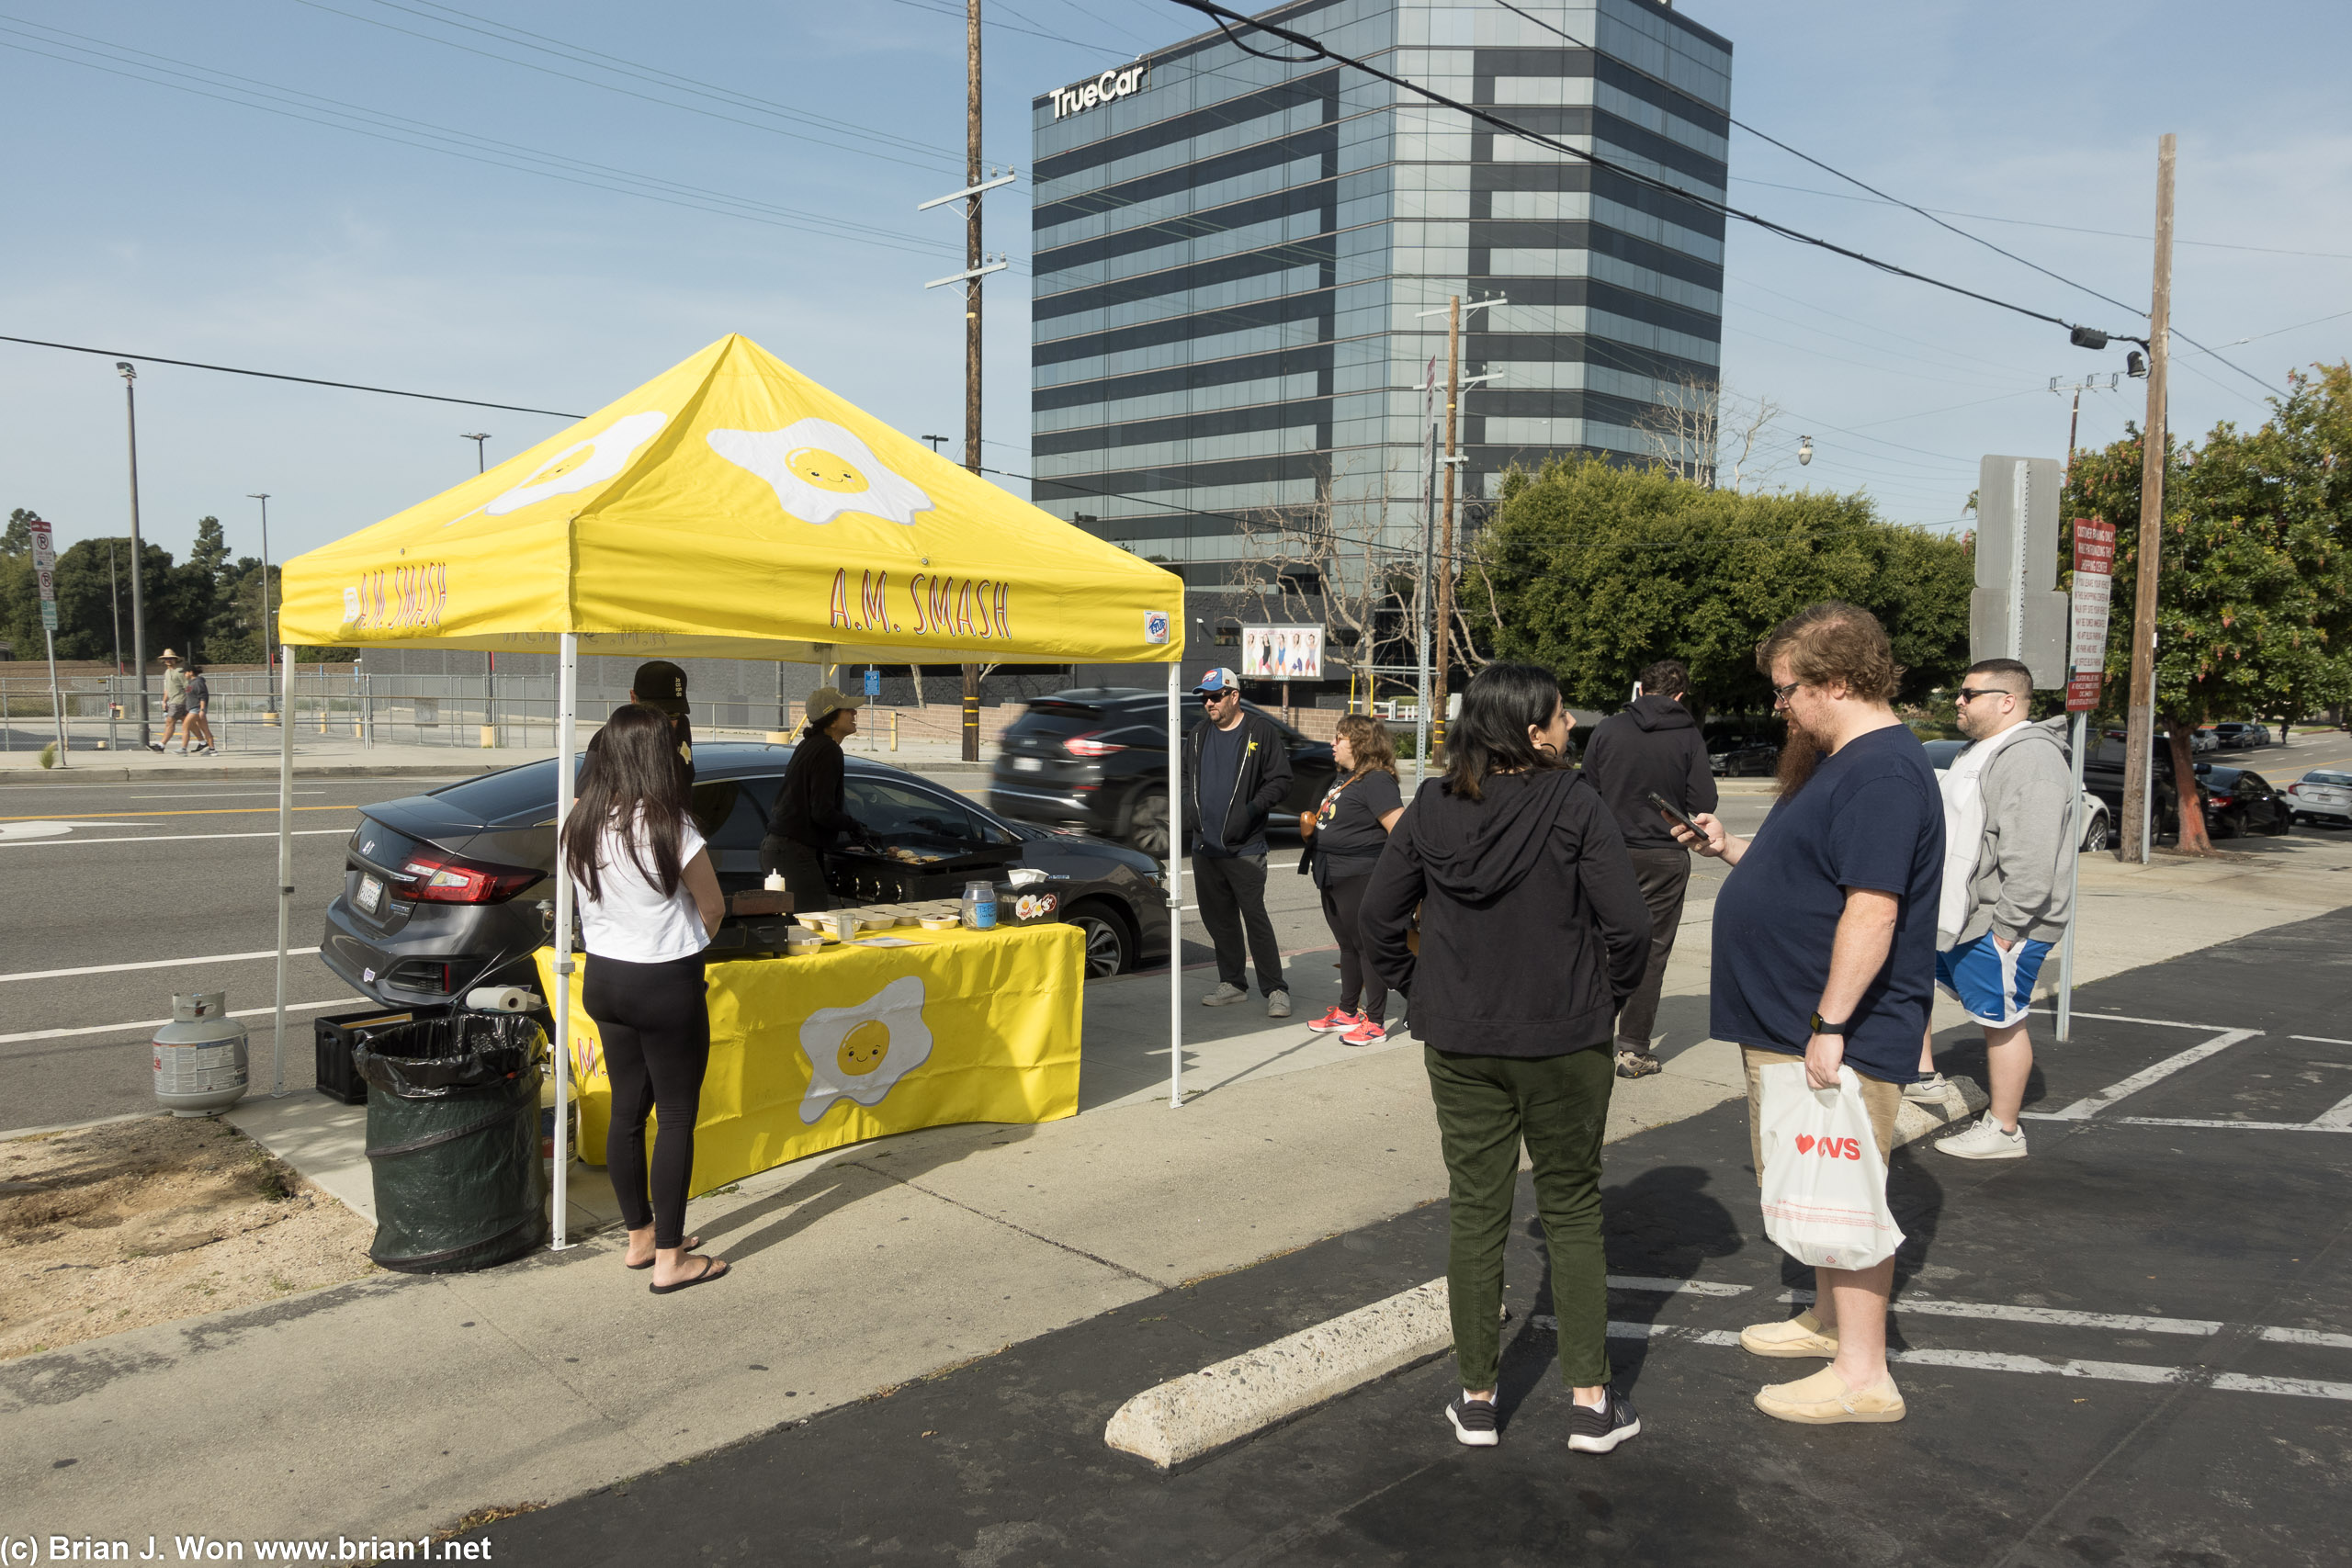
[1824,949]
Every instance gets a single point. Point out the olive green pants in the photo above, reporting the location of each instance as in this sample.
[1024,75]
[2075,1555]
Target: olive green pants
[1557,1106]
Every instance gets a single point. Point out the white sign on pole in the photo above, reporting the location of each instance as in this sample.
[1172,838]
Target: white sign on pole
[1282,653]
[45,569]
[2014,611]
[2094,585]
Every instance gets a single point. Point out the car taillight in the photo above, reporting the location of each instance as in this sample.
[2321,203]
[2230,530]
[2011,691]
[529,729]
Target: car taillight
[452,881]
[1087,746]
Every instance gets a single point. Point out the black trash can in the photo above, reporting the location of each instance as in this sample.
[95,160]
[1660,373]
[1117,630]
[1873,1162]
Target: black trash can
[453,1137]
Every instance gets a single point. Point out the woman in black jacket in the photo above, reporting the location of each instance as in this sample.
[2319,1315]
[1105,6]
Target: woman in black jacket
[1532,931]
[1344,837]
[809,817]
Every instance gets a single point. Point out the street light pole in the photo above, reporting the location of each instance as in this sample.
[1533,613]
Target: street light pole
[138,553]
[477,437]
[268,648]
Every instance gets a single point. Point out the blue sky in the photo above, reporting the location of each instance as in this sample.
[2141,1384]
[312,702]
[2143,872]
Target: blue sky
[156,219]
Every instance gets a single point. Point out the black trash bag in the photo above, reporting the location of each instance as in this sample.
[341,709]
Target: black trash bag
[435,1055]
[453,1141]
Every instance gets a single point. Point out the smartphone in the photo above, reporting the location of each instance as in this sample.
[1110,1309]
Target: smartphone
[1677,814]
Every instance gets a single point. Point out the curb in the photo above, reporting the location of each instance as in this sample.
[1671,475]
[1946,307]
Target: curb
[1201,1413]
[1222,1405]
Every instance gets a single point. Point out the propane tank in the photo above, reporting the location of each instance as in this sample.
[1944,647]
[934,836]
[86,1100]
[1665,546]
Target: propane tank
[200,1056]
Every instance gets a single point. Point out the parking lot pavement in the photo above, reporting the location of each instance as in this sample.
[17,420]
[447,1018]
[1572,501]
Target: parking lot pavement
[2131,1348]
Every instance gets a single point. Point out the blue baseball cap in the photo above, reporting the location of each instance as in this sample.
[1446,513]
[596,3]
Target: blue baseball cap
[1217,681]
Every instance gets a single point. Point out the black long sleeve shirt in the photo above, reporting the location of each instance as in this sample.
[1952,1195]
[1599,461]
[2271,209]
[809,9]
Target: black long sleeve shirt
[808,807]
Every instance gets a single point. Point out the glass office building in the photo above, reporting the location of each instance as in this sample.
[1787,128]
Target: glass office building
[1232,256]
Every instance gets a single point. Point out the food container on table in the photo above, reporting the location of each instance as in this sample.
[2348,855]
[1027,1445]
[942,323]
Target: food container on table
[941,922]
[978,910]
[800,947]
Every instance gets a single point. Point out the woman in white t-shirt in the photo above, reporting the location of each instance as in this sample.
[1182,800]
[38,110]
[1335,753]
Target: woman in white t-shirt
[649,904]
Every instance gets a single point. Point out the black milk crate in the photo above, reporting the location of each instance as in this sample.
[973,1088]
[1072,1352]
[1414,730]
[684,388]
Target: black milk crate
[334,1039]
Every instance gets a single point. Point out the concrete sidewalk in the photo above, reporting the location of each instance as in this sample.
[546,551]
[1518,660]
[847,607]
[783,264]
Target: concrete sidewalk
[397,1404]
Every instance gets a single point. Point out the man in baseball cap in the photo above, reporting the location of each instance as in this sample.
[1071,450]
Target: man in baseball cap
[1236,769]
[659,683]
[811,815]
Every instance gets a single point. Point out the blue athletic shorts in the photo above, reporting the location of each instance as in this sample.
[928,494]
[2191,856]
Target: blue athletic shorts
[1993,985]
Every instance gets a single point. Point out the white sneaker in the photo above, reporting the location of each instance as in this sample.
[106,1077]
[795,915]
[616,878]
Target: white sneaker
[1984,1141]
[1224,995]
[1929,1090]
[1278,1005]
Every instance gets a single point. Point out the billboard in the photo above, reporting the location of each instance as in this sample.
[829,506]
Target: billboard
[1282,653]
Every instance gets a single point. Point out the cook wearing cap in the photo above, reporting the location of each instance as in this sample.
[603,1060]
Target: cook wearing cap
[809,817]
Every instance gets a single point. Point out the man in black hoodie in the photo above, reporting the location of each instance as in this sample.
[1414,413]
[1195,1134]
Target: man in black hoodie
[1652,745]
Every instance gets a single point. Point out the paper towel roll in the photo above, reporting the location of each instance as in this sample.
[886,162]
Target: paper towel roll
[501,999]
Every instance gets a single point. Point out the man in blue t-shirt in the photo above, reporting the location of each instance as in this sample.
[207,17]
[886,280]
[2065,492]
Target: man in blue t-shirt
[1825,948]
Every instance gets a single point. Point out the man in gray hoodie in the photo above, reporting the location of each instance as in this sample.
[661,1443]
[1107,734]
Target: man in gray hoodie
[2020,898]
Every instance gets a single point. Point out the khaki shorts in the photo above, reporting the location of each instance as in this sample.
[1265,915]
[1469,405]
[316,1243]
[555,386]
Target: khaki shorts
[1881,1098]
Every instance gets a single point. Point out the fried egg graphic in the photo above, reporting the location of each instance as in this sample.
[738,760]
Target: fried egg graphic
[820,471]
[860,1053]
[584,463]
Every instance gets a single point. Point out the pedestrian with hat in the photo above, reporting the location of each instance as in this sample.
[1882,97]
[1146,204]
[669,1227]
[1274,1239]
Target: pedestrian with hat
[659,683]
[1236,769]
[810,816]
[174,701]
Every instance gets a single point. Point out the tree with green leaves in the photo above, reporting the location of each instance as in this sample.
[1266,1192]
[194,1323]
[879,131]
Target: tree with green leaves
[2254,609]
[1599,570]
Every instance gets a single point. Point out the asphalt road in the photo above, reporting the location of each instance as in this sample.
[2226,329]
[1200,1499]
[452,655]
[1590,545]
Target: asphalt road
[2131,1348]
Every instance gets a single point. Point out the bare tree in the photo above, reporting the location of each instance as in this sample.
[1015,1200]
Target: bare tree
[1335,562]
[1697,427]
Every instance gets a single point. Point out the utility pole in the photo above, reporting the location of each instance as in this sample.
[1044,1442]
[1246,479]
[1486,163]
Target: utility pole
[976,265]
[477,437]
[138,561]
[268,644]
[2140,719]
[1454,382]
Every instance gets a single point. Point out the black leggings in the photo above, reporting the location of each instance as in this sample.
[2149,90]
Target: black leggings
[1342,903]
[655,1026]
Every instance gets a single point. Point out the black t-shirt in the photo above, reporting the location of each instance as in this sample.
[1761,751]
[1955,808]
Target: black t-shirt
[1347,834]
[1871,817]
[1221,754]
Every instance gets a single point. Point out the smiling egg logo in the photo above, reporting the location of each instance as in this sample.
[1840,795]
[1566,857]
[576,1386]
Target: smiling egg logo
[860,1053]
[584,463]
[820,470]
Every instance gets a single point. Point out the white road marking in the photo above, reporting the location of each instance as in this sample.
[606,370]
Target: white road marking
[2060,1317]
[168,838]
[1650,1285]
[2065,1366]
[2320,1126]
[2308,1336]
[2322,1040]
[2338,1117]
[2122,1018]
[159,1022]
[2091,1105]
[157,964]
[210,792]
[2309,1388]
[53,828]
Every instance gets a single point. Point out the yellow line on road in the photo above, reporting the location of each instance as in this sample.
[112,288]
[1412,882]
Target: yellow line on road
[198,811]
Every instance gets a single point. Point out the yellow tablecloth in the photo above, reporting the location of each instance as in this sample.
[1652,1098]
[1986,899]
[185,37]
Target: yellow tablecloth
[852,1043]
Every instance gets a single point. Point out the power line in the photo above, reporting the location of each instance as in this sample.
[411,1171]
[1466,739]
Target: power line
[1930,217]
[276,375]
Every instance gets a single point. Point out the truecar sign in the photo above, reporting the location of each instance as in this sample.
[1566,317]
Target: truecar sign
[1115,83]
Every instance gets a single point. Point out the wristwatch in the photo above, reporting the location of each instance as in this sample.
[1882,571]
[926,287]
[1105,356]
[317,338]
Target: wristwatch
[1823,1026]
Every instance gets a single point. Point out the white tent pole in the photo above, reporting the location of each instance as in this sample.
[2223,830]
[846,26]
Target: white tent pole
[284,882]
[567,701]
[1175,890]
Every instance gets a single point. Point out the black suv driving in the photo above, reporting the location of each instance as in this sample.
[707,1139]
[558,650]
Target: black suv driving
[1096,758]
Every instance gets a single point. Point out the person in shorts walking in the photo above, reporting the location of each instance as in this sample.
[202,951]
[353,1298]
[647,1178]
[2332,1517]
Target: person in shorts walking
[1236,769]
[196,701]
[1652,747]
[1825,951]
[174,701]
[2009,827]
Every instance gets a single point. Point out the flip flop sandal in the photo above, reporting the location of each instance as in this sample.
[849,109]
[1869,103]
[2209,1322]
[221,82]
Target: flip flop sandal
[692,1242]
[711,1270]
[1637,1065]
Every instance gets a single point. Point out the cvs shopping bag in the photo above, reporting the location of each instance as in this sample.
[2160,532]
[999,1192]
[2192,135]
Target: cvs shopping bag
[1825,1185]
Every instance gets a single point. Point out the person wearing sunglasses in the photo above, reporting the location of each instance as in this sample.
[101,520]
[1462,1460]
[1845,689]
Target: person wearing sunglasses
[1236,769]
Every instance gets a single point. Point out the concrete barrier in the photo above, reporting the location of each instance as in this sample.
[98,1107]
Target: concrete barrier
[1220,1406]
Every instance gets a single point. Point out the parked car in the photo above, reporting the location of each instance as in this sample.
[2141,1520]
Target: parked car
[453,889]
[2103,776]
[2239,801]
[1736,757]
[2203,739]
[2241,737]
[2097,820]
[2324,794]
[1095,758]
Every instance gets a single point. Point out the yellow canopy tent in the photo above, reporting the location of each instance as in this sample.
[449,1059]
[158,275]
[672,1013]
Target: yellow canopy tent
[729,507]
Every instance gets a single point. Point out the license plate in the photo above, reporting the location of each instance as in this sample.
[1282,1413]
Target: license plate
[1028,765]
[371,895]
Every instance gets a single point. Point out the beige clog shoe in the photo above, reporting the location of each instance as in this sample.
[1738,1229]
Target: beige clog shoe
[1798,1336]
[1824,1400]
